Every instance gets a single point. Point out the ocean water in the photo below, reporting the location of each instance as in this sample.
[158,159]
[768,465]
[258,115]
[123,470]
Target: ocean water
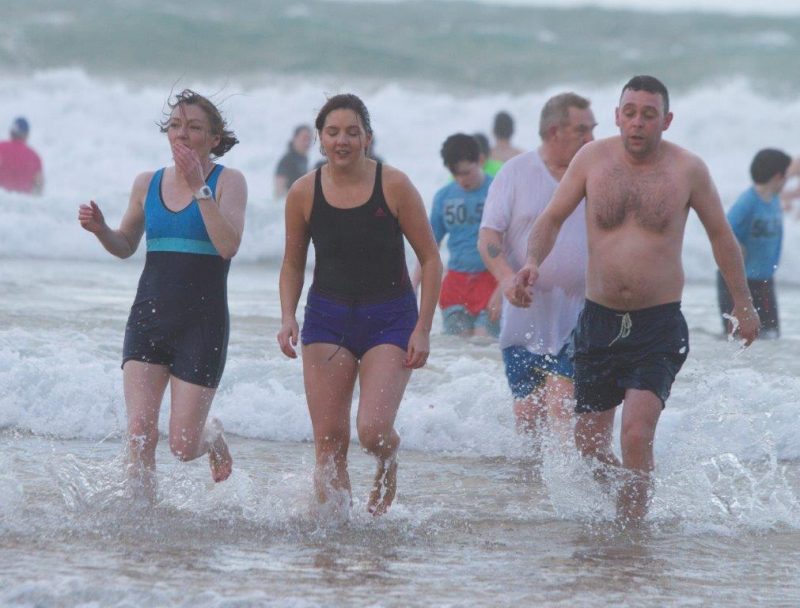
[480,518]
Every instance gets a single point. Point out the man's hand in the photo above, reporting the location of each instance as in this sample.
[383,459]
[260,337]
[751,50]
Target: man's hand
[748,323]
[518,290]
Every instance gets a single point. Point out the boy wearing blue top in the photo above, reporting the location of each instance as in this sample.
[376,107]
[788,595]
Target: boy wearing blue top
[757,221]
[469,300]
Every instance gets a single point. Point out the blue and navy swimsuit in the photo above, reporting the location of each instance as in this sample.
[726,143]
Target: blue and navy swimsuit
[180,315]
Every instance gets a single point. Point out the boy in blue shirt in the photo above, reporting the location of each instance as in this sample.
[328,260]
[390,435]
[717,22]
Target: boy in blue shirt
[469,300]
[757,221]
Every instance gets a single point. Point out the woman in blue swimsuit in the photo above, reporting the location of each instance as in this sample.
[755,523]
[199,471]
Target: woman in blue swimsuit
[361,320]
[192,214]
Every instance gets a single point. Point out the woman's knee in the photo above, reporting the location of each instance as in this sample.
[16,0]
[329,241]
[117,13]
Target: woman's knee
[184,448]
[376,440]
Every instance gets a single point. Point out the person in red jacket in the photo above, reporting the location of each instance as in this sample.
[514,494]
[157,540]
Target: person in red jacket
[20,165]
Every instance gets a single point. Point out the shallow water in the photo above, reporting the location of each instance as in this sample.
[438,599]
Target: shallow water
[465,531]
[479,520]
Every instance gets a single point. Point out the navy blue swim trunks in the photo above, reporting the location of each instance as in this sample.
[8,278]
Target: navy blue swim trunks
[357,326]
[616,350]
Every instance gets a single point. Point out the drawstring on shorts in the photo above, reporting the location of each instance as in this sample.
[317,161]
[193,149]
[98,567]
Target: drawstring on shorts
[624,329]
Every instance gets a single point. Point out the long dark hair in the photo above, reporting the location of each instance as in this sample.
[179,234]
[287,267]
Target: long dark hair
[344,101]
[219,127]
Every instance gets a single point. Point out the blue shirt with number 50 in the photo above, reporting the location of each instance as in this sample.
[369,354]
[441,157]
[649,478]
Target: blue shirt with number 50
[456,213]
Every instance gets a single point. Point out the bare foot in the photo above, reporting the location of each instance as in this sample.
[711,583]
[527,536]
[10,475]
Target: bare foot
[219,457]
[385,479]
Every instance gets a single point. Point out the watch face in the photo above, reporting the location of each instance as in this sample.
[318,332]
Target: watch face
[204,192]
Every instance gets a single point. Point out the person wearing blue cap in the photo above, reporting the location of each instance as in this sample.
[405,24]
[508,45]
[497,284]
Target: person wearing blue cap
[20,165]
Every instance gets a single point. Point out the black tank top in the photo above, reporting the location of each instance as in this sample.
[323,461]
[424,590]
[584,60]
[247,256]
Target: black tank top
[360,254]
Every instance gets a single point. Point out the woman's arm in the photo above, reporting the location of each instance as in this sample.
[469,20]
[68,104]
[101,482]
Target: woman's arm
[223,217]
[403,196]
[293,267]
[123,241]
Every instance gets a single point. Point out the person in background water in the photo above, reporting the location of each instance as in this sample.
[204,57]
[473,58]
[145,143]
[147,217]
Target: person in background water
[631,338]
[361,321]
[503,130]
[294,163]
[757,222]
[490,166]
[470,298]
[192,214]
[534,340]
[20,165]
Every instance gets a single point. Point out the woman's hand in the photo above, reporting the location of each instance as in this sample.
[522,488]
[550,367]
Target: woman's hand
[188,165]
[91,218]
[419,347]
[287,338]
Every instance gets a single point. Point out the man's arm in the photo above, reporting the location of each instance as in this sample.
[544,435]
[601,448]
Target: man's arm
[704,199]
[490,246]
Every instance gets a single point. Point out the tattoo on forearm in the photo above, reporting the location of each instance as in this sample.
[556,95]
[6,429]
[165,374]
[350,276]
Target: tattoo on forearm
[493,250]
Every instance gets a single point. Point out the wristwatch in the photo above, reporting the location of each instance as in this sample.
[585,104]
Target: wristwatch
[204,192]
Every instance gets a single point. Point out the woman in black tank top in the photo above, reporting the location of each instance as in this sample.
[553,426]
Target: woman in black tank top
[357,212]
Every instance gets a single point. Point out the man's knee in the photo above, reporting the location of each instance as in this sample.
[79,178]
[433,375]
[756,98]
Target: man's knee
[637,437]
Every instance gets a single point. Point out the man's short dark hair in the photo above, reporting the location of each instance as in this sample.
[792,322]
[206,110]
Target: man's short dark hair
[768,163]
[459,147]
[503,125]
[651,84]
[483,143]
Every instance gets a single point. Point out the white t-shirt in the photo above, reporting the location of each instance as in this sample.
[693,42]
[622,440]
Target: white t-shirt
[518,194]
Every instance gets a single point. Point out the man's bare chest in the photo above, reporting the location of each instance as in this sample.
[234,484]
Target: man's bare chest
[651,200]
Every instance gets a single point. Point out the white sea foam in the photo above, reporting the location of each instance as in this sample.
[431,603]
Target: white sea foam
[95,136]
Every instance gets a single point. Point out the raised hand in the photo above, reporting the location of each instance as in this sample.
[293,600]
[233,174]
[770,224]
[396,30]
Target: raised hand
[188,165]
[91,218]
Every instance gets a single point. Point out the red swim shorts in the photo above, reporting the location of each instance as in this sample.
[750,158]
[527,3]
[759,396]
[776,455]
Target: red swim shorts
[471,290]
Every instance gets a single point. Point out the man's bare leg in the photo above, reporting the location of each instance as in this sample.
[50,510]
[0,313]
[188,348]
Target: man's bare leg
[593,432]
[329,374]
[530,413]
[640,415]
[382,381]
[144,385]
[558,397]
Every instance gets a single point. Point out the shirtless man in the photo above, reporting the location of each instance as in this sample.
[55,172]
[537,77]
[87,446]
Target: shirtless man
[631,338]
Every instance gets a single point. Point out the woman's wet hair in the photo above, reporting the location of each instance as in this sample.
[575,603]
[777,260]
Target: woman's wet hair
[344,101]
[227,139]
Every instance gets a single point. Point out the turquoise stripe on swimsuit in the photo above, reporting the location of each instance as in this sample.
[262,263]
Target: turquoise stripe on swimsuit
[181,231]
[181,245]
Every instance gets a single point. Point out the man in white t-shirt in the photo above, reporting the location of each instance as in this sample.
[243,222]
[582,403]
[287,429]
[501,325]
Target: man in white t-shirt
[535,340]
